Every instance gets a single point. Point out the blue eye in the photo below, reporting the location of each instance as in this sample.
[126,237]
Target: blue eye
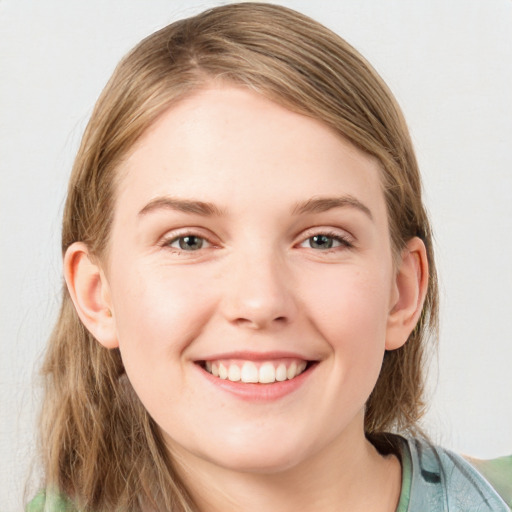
[325,242]
[188,243]
[321,242]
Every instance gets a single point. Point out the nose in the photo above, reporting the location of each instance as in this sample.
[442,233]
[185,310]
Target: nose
[258,292]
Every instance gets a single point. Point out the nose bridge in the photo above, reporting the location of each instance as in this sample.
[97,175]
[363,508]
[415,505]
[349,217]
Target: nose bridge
[258,291]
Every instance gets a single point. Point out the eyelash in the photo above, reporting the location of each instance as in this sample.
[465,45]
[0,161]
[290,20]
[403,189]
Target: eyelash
[169,241]
[344,242]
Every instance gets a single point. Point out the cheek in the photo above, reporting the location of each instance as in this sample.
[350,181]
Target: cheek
[157,318]
[351,315]
[158,315]
[352,305]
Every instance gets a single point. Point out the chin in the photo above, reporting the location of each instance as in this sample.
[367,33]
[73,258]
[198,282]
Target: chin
[258,462]
[273,454]
[244,454]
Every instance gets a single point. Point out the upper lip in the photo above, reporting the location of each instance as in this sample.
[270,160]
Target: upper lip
[256,356]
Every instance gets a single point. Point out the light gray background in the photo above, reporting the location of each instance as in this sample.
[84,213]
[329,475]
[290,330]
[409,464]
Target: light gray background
[449,62]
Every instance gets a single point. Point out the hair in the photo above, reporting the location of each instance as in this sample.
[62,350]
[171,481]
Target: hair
[99,444]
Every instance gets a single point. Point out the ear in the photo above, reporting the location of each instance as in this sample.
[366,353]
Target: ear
[410,289]
[90,293]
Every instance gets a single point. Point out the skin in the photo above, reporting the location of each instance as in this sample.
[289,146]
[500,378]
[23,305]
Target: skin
[258,286]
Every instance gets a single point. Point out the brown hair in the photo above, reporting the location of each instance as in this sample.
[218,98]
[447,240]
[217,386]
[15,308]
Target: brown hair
[99,444]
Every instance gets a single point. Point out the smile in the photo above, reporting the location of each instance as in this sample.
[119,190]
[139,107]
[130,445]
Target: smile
[254,372]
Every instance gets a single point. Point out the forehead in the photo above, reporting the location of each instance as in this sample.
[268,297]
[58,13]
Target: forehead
[222,143]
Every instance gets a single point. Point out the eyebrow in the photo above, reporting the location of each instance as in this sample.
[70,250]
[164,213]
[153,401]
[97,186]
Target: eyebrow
[181,205]
[323,204]
[206,209]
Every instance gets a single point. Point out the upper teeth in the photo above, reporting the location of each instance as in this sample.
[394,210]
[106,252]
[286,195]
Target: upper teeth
[249,372]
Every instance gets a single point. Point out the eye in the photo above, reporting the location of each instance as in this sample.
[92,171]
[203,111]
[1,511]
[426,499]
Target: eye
[188,243]
[325,241]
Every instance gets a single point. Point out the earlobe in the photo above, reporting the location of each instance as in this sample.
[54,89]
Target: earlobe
[90,293]
[411,283]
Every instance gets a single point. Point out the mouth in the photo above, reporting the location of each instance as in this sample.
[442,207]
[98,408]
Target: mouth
[256,372]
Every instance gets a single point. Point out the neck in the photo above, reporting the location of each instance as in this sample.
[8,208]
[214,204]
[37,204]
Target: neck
[350,476]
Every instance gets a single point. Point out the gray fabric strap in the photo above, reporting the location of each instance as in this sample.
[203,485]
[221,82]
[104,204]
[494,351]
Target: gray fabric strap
[444,482]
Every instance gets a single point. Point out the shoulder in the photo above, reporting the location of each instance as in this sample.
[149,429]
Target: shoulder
[446,481]
[498,472]
[50,502]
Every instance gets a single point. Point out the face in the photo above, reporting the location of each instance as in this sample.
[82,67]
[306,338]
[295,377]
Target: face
[250,276]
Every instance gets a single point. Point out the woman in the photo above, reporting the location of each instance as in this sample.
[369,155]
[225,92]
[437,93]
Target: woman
[250,285]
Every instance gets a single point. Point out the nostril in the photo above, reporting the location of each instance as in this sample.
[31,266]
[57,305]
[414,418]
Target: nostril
[243,321]
[258,323]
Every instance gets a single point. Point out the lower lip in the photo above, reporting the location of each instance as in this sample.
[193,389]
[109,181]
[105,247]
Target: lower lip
[259,392]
